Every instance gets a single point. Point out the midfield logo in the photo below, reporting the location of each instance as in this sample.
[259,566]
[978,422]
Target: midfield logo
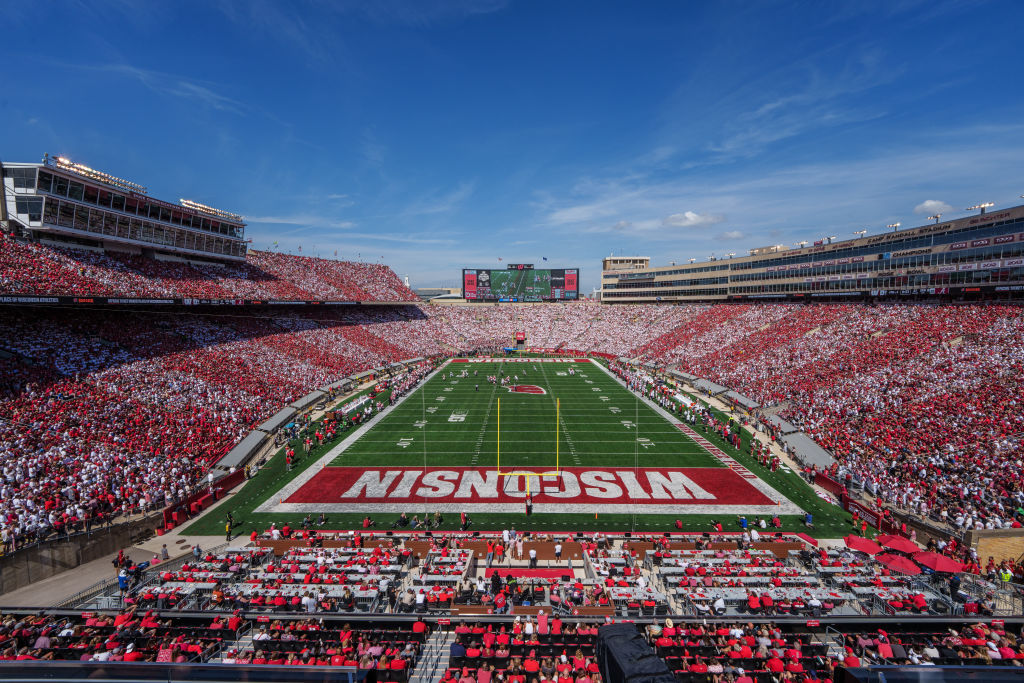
[526,389]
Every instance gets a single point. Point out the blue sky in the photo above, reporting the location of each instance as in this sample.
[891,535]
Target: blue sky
[443,135]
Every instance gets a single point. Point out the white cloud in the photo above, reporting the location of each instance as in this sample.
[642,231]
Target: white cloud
[444,203]
[690,219]
[301,219]
[932,206]
[732,235]
[176,86]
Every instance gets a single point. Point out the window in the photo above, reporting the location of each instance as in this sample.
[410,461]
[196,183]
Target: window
[60,186]
[67,215]
[95,220]
[24,178]
[91,194]
[81,218]
[50,211]
[117,202]
[33,208]
[45,181]
[76,191]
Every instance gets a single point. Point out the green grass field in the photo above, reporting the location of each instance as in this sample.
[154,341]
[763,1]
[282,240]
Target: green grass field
[449,421]
[456,421]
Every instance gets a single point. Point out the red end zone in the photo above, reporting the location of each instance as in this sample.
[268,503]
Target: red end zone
[654,489]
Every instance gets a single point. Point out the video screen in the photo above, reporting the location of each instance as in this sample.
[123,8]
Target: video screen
[491,284]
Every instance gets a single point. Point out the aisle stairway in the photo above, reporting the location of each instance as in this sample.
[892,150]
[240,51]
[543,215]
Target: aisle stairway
[434,658]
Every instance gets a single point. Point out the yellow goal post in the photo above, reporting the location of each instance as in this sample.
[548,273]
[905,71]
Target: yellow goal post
[524,473]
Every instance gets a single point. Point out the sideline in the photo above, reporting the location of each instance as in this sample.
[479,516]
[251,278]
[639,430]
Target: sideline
[784,506]
[269,507]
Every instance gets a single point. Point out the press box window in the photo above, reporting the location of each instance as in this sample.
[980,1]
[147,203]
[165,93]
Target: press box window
[31,207]
[24,178]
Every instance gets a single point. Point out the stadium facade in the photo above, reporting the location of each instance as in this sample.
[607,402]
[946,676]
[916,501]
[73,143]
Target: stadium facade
[976,256]
[59,198]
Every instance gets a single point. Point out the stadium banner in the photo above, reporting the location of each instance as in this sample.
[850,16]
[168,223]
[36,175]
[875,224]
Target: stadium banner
[352,406]
[184,509]
[578,489]
[866,513]
[829,484]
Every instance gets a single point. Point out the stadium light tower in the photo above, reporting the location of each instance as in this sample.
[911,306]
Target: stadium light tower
[692,260]
[860,233]
[894,226]
[802,244]
[830,238]
[981,206]
[731,254]
[936,217]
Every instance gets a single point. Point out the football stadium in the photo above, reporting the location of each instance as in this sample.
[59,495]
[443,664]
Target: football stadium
[227,459]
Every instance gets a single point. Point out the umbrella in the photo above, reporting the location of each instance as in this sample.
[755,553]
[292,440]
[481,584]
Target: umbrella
[939,563]
[903,545]
[898,563]
[864,545]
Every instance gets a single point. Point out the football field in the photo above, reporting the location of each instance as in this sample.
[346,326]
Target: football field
[483,436]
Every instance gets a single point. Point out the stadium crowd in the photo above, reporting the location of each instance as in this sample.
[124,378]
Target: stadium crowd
[103,413]
[934,390]
[34,268]
[107,411]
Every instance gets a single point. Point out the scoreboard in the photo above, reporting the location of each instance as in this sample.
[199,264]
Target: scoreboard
[523,283]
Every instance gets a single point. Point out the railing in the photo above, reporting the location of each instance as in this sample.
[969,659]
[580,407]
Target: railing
[83,596]
[110,588]
[880,606]
[92,528]
[434,649]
